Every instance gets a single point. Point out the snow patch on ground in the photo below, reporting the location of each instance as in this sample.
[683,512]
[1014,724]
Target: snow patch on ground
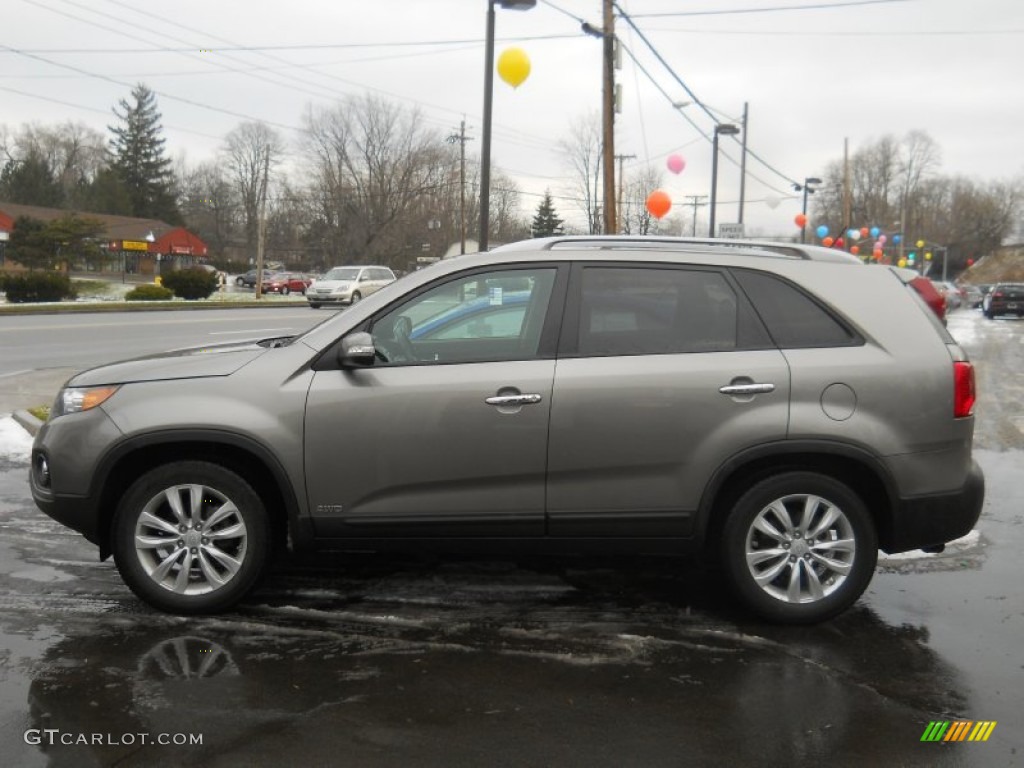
[964,543]
[15,442]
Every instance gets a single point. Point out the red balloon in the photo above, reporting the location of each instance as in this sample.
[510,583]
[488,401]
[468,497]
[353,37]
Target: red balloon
[801,220]
[659,203]
[840,242]
[827,242]
[854,249]
[970,262]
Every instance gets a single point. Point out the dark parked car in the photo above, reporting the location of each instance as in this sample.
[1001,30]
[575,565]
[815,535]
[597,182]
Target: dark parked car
[249,278]
[1004,299]
[782,413]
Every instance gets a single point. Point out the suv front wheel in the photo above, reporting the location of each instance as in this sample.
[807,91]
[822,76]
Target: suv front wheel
[190,537]
[799,547]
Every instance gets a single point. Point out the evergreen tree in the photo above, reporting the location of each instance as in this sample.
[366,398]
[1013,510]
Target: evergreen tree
[30,181]
[139,159]
[546,222]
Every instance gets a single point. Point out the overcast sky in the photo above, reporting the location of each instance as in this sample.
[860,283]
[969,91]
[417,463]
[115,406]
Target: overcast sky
[813,74]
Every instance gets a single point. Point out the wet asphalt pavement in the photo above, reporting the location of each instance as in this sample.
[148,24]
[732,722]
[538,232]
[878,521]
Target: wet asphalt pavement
[464,662]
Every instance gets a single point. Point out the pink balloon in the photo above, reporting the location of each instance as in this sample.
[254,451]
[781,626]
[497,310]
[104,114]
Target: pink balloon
[676,163]
[882,239]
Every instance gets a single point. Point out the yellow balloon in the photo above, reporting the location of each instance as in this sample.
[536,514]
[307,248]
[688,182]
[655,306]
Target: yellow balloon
[514,66]
[901,263]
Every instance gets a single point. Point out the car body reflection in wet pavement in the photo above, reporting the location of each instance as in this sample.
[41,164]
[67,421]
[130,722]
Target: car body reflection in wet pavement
[460,661]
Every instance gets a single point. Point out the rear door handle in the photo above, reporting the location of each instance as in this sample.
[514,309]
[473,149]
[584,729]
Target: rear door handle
[747,389]
[507,400]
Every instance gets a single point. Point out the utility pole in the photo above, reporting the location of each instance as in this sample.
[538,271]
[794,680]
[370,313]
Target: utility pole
[846,186]
[743,163]
[696,201]
[620,158]
[462,139]
[608,119]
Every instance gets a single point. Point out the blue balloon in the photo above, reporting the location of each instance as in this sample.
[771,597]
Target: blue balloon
[822,231]
[896,239]
[853,234]
[875,231]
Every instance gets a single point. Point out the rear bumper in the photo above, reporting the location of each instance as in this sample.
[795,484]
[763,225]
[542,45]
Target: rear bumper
[926,521]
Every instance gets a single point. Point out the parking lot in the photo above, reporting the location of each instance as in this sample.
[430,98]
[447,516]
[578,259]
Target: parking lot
[397,661]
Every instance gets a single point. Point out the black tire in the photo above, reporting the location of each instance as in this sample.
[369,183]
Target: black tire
[239,281]
[819,591]
[314,306]
[284,290]
[221,569]
[356,296]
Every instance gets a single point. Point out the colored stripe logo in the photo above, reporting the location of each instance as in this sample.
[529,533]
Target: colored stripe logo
[958,730]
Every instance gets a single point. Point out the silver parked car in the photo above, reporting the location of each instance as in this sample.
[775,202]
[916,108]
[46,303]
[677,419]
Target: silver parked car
[348,285]
[782,409]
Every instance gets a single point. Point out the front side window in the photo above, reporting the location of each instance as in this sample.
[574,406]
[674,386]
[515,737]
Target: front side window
[639,311]
[485,317]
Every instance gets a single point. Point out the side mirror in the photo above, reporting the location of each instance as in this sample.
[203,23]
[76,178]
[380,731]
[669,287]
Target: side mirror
[357,351]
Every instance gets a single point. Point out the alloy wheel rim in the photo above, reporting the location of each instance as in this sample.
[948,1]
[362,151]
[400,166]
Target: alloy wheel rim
[800,548]
[191,539]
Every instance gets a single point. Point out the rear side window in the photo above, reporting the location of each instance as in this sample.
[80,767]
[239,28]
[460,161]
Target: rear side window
[625,311]
[792,317]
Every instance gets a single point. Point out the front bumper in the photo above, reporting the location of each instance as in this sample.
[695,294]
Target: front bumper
[926,521]
[328,299]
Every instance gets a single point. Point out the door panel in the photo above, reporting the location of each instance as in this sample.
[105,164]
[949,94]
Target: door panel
[635,439]
[416,450]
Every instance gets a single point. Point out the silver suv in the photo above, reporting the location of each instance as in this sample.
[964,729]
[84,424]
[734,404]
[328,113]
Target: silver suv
[347,285]
[784,409]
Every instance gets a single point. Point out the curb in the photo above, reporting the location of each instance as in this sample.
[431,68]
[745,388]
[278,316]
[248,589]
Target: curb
[28,421]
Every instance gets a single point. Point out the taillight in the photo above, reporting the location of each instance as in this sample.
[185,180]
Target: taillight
[963,389]
[997,295]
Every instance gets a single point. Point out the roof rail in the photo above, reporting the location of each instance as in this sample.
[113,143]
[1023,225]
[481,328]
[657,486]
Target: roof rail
[612,242]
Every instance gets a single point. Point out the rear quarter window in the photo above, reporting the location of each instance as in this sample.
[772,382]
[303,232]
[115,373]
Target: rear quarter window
[792,317]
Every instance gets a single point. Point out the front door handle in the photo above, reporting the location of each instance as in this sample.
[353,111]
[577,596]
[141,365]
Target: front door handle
[753,388]
[513,400]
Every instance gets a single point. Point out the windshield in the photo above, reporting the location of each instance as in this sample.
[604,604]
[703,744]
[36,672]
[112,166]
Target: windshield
[342,273]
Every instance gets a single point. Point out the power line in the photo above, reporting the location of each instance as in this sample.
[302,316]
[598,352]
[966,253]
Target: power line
[230,48]
[734,11]
[694,97]
[100,111]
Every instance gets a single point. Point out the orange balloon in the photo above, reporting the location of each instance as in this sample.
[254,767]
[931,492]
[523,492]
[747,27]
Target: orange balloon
[801,220]
[854,249]
[827,242]
[659,203]
[864,231]
[877,254]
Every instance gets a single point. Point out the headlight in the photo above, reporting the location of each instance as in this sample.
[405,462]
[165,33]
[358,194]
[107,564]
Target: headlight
[75,399]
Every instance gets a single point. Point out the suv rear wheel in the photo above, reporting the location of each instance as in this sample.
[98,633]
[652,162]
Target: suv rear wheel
[799,547]
[190,537]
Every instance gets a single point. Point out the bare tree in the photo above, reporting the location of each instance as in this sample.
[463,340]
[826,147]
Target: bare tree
[634,217]
[582,151]
[251,154]
[376,172]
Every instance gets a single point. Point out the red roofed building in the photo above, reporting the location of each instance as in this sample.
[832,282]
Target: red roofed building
[138,246]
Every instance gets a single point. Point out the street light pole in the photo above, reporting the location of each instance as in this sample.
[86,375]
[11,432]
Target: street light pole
[808,190]
[727,129]
[485,142]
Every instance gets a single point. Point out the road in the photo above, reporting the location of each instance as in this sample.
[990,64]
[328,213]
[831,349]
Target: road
[80,340]
[463,662]
[41,351]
